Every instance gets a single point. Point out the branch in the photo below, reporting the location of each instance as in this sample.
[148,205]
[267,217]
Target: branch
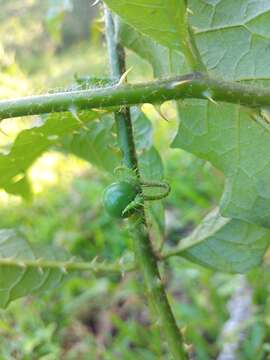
[101,268]
[191,86]
[145,256]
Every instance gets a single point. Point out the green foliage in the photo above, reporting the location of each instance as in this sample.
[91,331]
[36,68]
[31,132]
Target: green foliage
[232,37]
[17,278]
[94,142]
[233,40]
[226,136]
[164,61]
[17,161]
[168,20]
[225,245]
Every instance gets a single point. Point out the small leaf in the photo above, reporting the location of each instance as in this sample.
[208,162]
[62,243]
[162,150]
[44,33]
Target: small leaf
[31,144]
[142,128]
[95,143]
[225,245]
[17,279]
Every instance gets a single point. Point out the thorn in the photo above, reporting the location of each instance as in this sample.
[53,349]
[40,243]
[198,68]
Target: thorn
[159,111]
[188,348]
[3,132]
[183,330]
[208,95]
[124,77]
[40,270]
[195,29]
[73,111]
[96,2]
[175,83]
[22,264]
[71,260]
[93,262]
[63,269]
[212,100]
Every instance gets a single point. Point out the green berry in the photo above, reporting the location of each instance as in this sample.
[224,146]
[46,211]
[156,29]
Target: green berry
[116,198]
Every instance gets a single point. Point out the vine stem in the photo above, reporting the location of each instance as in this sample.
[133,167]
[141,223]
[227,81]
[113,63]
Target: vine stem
[190,86]
[142,246]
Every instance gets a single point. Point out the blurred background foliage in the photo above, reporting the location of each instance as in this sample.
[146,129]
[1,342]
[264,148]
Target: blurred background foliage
[44,43]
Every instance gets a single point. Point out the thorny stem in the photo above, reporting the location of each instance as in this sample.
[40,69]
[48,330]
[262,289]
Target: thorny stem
[97,268]
[142,246]
[191,86]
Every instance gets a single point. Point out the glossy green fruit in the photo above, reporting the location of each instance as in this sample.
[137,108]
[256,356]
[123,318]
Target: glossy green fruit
[116,198]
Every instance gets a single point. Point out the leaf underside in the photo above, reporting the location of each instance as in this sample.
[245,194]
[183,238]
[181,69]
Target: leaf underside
[226,245]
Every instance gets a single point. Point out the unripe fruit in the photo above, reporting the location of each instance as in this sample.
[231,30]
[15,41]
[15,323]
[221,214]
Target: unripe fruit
[116,198]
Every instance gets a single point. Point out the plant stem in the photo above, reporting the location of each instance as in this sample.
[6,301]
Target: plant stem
[66,266]
[195,86]
[142,246]
[192,55]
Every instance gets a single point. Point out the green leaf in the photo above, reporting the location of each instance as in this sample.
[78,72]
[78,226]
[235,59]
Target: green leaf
[31,144]
[142,128]
[164,61]
[225,245]
[233,37]
[164,21]
[17,279]
[96,143]
[239,146]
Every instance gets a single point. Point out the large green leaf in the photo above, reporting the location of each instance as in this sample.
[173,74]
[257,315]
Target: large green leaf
[17,279]
[32,143]
[233,37]
[226,245]
[232,141]
[164,21]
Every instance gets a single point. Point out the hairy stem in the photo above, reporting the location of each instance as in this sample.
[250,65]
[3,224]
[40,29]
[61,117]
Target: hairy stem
[98,268]
[191,86]
[142,246]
